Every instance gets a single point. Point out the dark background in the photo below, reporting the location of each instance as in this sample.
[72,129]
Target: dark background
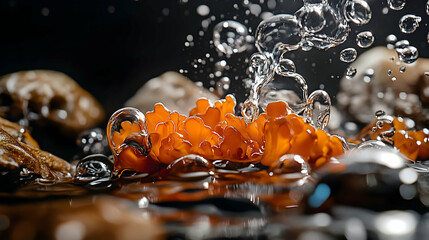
[112,47]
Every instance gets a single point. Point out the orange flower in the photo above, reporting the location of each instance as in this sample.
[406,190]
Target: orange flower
[413,144]
[214,132]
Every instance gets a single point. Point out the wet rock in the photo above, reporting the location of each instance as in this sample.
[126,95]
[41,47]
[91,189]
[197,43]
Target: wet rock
[376,179]
[383,82]
[18,132]
[174,90]
[17,155]
[48,97]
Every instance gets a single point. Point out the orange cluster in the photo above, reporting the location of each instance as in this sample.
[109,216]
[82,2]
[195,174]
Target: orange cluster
[214,132]
[413,144]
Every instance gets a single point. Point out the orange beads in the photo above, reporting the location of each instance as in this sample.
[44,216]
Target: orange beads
[214,132]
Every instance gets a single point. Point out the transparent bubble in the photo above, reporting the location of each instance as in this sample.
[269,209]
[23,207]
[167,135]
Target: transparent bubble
[407,54]
[318,109]
[290,166]
[391,40]
[222,86]
[350,72]
[396,4]
[409,23]
[402,44]
[357,11]
[348,55]
[365,39]
[282,29]
[229,37]
[402,69]
[311,18]
[131,117]
[190,167]
[93,167]
[249,111]
[289,87]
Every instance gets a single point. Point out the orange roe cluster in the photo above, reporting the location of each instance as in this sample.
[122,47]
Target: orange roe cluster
[413,144]
[214,132]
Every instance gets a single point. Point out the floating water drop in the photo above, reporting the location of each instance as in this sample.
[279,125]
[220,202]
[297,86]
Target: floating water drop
[93,167]
[409,23]
[93,141]
[357,11]
[282,29]
[350,72]
[222,86]
[391,40]
[318,109]
[348,55]
[203,10]
[190,167]
[389,72]
[289,87]
[311,18]
[365,39]
[427,7]
[290,166]
[407,54]
[396,4]
[402,69]
[138,139]
[229,37]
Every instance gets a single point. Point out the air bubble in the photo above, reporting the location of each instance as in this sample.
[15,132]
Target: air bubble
[396,4]
[93,167]
[350,72]
[311,18]
[409,23]
[229,37]
[357,11]
[365,39]
[348,55]
[407,54]
[402,44]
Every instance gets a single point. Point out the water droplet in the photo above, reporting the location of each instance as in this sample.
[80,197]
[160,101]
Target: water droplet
[357,11]
[402,69]
[311,18]
[282,29]
[93,141]
[289,87]
[348,55]
[310,2]
[396,4]
[128,116]
[249,111]
[190,167]
[229,37]
[402,44]
[427,7]
[318,109]
[350,72]
[203,10]
[409,23]
[407,54]
[222,86]
[93,167]
[365,39]
[389,72]
[290,166]
[391,40]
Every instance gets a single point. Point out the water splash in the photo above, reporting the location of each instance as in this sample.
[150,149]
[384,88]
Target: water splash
[318,109]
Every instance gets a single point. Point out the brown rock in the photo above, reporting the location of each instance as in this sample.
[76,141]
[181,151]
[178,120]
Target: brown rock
[172,89]
[49,97]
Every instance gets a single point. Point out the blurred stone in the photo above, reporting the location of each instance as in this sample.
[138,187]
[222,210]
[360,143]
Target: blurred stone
[385,83]
[48,97]
[172,89]
[98,217]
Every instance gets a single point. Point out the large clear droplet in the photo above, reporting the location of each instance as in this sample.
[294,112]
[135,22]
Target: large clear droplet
[290,166]
[396,4]
[282,29]
[365,39]
[318,109]
[409,23]
[190,167]
[289,87]
[133,118]
[357,11]
[311,18]
[348,55]
[93,167]
[229,37]
[407,54]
